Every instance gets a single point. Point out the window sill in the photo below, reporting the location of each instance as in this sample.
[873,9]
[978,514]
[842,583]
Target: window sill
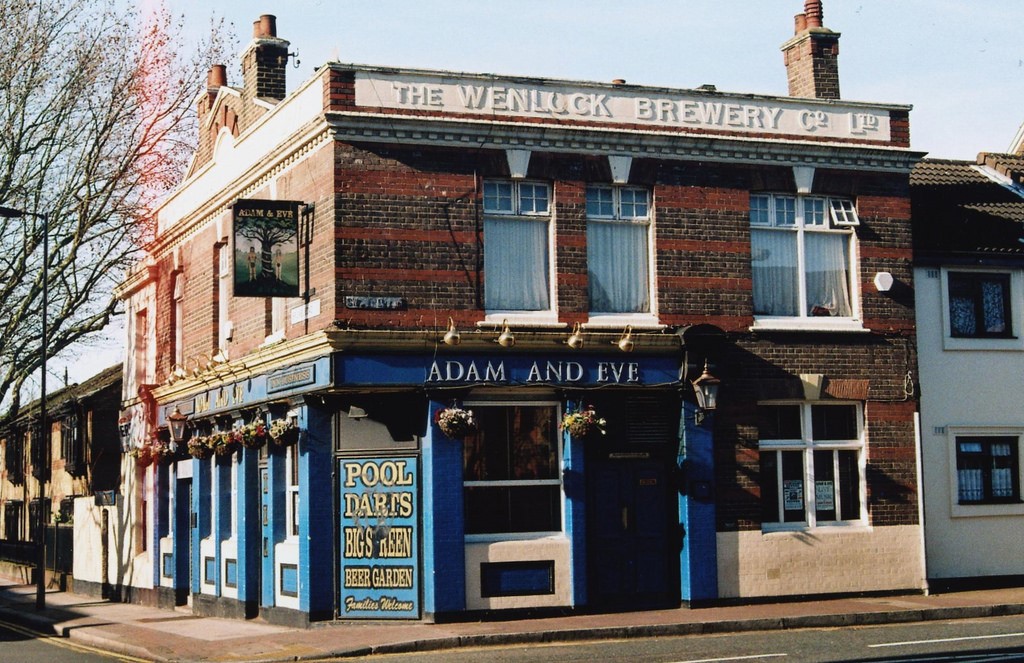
[800,528]
[981,343]
[809,325]
[515,536]
[616,321]
[987,510]
[522,319]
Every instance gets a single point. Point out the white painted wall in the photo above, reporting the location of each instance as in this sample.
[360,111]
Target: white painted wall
[549,548]
[830,560]
[968,386]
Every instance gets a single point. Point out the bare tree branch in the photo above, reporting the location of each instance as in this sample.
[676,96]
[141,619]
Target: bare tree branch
[96,125]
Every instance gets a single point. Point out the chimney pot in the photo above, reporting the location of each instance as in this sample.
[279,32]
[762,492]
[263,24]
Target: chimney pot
[266,26]
[800,23]
[217,76]
[814,12]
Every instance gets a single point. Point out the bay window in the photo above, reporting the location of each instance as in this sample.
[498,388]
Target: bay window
[801,256]
[517,244]
[812,470]
[511,473]
[618,254]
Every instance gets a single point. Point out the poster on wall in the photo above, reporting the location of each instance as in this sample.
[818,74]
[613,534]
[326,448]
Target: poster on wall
[793,494]
[266,248]
[379,538]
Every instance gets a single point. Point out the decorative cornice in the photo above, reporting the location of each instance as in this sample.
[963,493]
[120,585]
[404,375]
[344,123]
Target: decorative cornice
[462,132]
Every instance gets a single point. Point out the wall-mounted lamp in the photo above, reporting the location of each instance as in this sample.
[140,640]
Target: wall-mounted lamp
[625,342]
[179,372]
[505,338]
[705,388]
[451,337]
[575,340]
[220,358]
[176,422]
[883,281]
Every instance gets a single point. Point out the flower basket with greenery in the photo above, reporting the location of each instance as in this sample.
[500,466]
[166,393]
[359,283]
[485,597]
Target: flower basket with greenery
[284,432]
[199,447]
[224,443]
[456,422]
[253,435]
[582,423]
[144,456]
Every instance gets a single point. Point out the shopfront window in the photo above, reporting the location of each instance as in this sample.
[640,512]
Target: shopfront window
[811,465]
[511,474]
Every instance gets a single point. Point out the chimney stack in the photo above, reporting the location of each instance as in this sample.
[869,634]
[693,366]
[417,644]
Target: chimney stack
[812,56]
[264,62]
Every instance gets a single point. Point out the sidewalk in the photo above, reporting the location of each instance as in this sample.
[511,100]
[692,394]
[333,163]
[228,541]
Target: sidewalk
[164,635]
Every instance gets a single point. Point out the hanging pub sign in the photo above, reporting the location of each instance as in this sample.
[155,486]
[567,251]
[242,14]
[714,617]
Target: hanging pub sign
[266,248]
[379,540]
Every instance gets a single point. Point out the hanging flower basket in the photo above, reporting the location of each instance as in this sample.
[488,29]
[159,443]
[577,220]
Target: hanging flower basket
[144,456]
[456,422]
[224,443]
[284,432]
[582,423]
[199,447]
[253,435]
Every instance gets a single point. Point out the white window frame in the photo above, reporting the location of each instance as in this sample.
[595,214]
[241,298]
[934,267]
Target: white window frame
[958,510]
[1014,343]
[836,215]
[639,318]
[510,483]
[548,316]
[291,504]
[808,446]
[178,298]
[223,296]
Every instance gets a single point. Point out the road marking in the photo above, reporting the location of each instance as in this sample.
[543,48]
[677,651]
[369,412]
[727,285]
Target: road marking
[58,641]
[731,658]
[965,638]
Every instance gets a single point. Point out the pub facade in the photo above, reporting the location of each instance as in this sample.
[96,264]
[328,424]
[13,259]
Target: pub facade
[416,343]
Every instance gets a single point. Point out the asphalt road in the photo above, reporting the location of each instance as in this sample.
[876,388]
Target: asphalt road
[19,644]
[991,639]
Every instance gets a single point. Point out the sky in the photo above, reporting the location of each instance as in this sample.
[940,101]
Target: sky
[959,63]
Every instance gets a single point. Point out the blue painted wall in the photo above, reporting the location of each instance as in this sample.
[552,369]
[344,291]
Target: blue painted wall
[444,554]
[316,511]
[575,487]
[698,569]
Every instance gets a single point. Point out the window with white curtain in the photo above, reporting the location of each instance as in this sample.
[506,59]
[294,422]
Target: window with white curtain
[988,469]
[801,256]
[517,246]
[812,464]
[618,254]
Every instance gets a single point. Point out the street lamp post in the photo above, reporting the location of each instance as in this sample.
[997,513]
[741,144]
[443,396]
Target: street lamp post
[12,213]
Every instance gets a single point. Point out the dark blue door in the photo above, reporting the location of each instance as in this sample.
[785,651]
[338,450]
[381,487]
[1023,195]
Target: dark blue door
[629,554]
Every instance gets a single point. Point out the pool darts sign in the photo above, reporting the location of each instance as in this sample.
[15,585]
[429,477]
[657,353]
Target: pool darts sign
[379,538]
[266,248]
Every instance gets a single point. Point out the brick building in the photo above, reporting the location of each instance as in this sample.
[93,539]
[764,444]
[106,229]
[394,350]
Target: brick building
[80,458]
[526,249]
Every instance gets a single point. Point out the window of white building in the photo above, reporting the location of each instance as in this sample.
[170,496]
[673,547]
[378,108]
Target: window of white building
[802,252]
[517,247]
[511,470]
[812,465]
[979,305]
[618,249]
[988,469]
